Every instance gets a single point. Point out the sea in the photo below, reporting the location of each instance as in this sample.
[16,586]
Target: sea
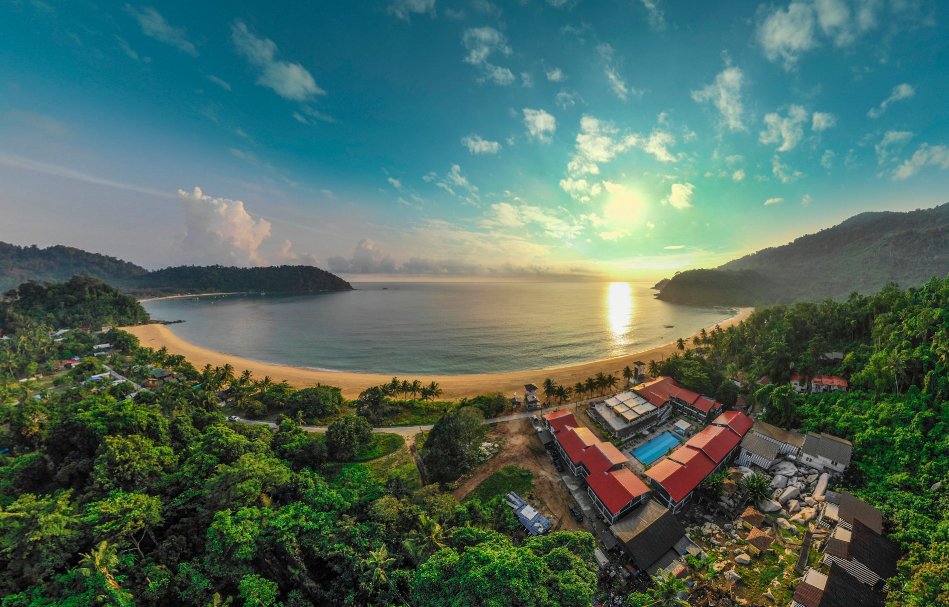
[406,328]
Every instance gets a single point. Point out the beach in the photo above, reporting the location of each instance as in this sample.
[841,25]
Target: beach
[453,386]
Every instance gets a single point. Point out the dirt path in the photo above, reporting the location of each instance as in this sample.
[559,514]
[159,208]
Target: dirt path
[523,449]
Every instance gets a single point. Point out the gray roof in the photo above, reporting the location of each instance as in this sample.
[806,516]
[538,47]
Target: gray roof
[648,533]
[779,434]
[754,443]
[828,446]
[852,508]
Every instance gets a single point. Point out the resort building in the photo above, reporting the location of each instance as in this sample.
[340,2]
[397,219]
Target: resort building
[818,383]
[614,489]
[627,412]
[653,540]
[663,391]
[676,478]
[824,450]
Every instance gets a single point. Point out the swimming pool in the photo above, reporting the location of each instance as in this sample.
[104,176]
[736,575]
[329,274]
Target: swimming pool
[649,452]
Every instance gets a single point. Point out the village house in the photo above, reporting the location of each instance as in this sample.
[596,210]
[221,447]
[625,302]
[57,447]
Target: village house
[864,553]
[531,401]
[834,589]
[824,450]
[818,383]
[844,508]
[530,518]
[675,478]
[653,540]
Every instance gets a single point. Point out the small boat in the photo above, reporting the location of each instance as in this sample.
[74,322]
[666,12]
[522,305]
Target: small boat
[669,326]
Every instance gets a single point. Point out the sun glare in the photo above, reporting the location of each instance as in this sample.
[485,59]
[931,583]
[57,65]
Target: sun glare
[619,309]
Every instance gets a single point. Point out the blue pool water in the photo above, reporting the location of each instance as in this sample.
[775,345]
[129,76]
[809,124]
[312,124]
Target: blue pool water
[649,452]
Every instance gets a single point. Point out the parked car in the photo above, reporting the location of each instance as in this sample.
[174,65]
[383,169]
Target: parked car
[233,418]
[576,513]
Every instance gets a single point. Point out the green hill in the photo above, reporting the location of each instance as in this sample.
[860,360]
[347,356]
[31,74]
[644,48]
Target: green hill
[861,255]
[19,265]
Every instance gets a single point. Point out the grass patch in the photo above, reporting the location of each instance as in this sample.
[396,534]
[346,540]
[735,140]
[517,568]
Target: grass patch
[414,413]
[505,480]
[399,464]
[381,445]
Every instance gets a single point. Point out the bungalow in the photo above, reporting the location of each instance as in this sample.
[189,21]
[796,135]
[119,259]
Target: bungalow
[758,451]
[530,397]
[835,589]
[843,509]
[653,540]
[787,441]
[826,451]
[818,383]
[533,521]
[676,477]
[865,554]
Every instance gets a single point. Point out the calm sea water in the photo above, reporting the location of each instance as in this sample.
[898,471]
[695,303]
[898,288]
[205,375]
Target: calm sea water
[438,327]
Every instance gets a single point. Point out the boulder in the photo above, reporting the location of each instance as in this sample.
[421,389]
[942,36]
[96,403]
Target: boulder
[786,525]
[821,487]
[785,468]
[769,506]
[743,559]
[745,470]
[789,494]
[779,481]
[809,501]
[804,515]
[794,506]
[732,576]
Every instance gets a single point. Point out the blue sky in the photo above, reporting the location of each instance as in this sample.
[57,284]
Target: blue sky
[620,137]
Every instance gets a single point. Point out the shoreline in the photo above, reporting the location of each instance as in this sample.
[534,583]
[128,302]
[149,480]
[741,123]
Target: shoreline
[188,295]
[453,386]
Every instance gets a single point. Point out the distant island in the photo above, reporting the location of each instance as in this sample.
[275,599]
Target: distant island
[862,254]
[59,263]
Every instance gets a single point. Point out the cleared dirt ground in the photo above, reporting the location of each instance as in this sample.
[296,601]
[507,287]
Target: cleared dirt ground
[522,448]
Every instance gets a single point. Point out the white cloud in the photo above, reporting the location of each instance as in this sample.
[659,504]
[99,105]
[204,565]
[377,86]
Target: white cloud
[366,259]
[892,141]
[289,80]
[566,99]
[310,115]
[556,75]
[154,26]
[925,155]
[224,84]
[821,121]
[680,195]
[782,171]
[827,159]
[657,145]
[657,20]
[786,131]
[725,95]
[772,201]
[220,230]
[477,145]
[786,33]
[286,255]
[580,188]
[806,200]
[738,175]
[482,43]
[522,215]
[456,184]
[395,183]
[540,125]
[617,83]
[27,164]
[403,9]
[674,247]
[899,93]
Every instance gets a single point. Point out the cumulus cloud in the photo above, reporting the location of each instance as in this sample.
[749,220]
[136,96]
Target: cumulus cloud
[540,124]
[892,141]
[556,75]
[786,131]
[899,93]
[821,121]
[725,94]
[773,201]
[220,230]
[482,43]
[925,155]
[738,175]
[477,145]
[366,259]
[404,9]
[680,195]
[395,183]
[154,26]
[289,80]
[287,255]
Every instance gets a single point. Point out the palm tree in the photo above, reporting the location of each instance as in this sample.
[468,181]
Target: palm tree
[654,368]
[611,380]
[550,389]
[666,590]
[703,336]
[628,374]
[416,388]
[601,382]
[563,393]
[393,386]
[755,487]
[579,389]
[680,343]
[405,388]
[103,560]
[375,566]
[591,385]
[434,390]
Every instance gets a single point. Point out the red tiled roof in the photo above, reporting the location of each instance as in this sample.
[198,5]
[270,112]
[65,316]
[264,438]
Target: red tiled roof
[560,419]
[574,441]
[652,398]
[706,404]
[617,488]
[739,423]
[715,441]
[600,457]
[683,394]
[681,479]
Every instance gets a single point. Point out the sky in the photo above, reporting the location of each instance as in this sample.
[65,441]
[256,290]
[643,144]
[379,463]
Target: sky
[573,138]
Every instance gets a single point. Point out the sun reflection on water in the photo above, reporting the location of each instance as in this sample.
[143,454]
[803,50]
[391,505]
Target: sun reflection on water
[619,310]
